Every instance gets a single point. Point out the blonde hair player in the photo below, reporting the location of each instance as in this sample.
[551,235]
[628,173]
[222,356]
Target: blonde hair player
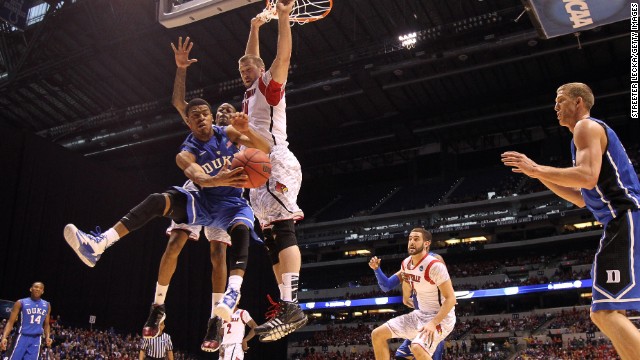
[603,179]
[275,203]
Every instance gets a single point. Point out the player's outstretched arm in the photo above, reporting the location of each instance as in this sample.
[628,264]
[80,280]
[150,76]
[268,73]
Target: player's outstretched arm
[253,43]
[240,132]
[385,283]
[523,165]
[590,141]
[280,66]
[181,53]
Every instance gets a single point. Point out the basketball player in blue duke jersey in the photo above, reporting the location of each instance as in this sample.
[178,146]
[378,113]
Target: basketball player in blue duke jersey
[178,234]
[602,179]
[34,321]
[213,199]
[386,284]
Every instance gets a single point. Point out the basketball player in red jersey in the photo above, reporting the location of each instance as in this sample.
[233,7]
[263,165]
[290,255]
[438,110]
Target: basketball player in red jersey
[434,316]
[275,203]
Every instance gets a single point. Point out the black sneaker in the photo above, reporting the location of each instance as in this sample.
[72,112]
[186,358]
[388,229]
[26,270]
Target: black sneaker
[212,339]
[284,318]
[156,316]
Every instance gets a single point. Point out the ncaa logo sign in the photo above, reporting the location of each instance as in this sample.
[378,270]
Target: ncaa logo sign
[5,308]
[560,17]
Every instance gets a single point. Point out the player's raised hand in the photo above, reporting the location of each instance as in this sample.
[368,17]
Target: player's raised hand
[374,263]
[285,6]
[240,122]
[257,21]
[182,51]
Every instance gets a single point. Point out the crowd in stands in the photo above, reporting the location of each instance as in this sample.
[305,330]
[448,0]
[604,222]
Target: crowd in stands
[594,349]
[458,270]
[71,343]
[573,321]
[346,354]
[341,336]
[527,323]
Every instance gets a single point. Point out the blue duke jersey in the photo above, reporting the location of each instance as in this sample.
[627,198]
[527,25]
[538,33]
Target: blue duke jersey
[32,316]
[211,156]
[618,188]
[615,201]
[220,206]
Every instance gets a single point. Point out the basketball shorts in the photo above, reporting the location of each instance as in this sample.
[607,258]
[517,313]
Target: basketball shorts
[407,326]
[616,268]
[233,351]
[216,211]
[211,233]
[26,347]
[277,199]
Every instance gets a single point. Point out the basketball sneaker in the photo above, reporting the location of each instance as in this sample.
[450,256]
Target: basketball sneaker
[88,247]
[284,318]
[156,316]
[213,338]
[226,306]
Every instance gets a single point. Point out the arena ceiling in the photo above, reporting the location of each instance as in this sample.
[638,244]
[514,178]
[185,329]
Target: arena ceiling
[96,77]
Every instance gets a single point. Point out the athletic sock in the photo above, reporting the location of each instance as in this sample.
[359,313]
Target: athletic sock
[281,288]
[111,237]
[290,282]
[215,299]
[235,282]
[161,294]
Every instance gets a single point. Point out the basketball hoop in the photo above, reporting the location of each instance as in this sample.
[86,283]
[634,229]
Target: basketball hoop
[304,11]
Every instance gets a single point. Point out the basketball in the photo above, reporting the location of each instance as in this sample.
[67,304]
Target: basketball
[256,165]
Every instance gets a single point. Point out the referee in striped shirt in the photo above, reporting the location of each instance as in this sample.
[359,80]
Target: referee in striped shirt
[159,347]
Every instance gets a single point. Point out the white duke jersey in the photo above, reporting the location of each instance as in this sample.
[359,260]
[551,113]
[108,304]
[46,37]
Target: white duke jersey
[234,329]
[424,278]
[265,104]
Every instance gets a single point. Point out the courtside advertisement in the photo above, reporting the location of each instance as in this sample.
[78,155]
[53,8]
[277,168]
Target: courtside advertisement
[634,60]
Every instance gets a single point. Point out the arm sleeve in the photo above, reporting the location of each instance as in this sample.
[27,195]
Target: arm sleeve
[384,282]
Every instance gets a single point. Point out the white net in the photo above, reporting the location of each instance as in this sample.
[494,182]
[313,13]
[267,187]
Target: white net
[304,11]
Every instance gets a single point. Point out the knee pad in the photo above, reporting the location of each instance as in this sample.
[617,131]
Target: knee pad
[270,244]
[284,234]
[177,206]
[153,206]
[239,250]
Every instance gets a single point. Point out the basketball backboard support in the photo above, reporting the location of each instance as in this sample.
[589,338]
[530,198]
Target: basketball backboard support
[171,15]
